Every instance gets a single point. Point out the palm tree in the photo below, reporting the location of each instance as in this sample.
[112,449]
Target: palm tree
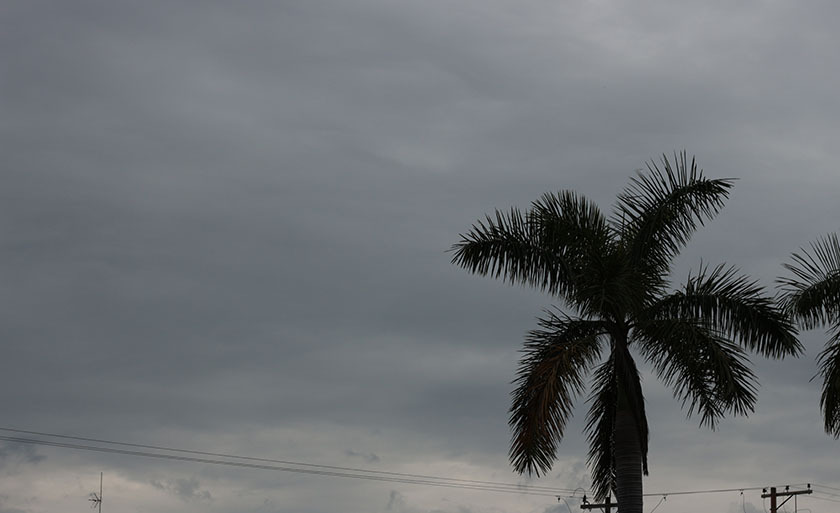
[612,276]
[812,297]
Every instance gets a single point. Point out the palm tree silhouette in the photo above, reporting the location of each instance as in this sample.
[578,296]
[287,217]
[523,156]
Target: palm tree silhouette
[812,297]
[612,276]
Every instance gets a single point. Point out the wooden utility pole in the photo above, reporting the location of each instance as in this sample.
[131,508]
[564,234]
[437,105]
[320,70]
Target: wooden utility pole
[606,506]
[787,493]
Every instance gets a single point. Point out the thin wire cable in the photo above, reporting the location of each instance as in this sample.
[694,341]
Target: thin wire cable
[827,496]
[658,503]
[560,497]
[692,492]
[824,493]
[824,499]
[333,471]
[286,462]
[240,464]
[825,486]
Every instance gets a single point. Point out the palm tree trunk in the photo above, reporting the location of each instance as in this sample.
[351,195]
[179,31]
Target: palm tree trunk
[628,463]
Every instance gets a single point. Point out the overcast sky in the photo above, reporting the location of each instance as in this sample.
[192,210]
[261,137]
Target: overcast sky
[224,228]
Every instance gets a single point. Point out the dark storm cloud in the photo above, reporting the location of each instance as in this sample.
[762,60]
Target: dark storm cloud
[368,457]
[185,489]
[221,220]
[12,453]
[190,265]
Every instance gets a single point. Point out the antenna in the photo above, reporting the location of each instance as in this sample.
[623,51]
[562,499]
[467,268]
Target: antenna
[96,500]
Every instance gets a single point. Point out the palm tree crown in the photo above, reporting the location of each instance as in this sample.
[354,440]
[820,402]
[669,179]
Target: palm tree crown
[812,297]
[612,275]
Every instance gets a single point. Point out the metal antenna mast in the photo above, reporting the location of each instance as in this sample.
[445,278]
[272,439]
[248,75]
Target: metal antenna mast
[97,499]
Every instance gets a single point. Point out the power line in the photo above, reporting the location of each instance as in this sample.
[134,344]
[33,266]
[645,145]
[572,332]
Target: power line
[827,493]
[825,486]
[329,470]
[241,464]
[692,492]
[658,503]
[827,496]
[287,462]
[825,499]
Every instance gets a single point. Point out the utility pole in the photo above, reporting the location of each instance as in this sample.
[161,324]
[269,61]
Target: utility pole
[97,499]
[787,493]
[606,506]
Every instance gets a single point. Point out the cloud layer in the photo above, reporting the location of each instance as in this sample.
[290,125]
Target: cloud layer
[225,229]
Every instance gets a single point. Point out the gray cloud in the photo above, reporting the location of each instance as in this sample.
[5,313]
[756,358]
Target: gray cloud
[7,509]
[744,507]
[368,457]
[562,508]
[226,227]
[398,504]
[12,454]
[185,489]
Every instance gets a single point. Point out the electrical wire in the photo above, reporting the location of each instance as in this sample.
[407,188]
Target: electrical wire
[824,493]
[826,486]
[821,495]
[825,499]
[692,492]
[658,503]
[258,466]
[287,462]
[330,470]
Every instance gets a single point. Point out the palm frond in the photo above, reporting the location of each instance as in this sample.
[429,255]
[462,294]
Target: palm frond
[600,426]
[570,222]
[735,307]
[551,372]
[812,294]
[546,247]
[812,297]
[829,361]
[708,373]
[604,281]
[615,381]
[658,212]
[630,390]
[610,287]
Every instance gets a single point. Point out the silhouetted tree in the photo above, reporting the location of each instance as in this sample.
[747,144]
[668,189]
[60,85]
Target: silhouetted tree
[812,297]
[612,275]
